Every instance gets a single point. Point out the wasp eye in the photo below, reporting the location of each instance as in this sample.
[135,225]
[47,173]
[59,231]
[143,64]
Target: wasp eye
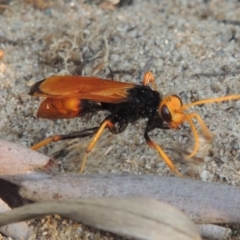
[165,114]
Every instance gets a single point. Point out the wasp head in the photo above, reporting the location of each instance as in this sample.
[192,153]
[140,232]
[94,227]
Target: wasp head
[170,110]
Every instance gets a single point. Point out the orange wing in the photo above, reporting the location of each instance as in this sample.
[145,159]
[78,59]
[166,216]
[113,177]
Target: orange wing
[64,95]
[89,88]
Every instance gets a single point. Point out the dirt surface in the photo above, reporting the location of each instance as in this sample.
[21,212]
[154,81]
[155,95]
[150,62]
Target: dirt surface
[195,50]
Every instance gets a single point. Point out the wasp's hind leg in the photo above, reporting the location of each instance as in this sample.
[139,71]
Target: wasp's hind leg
[105,123]
[80,134]
[113,128]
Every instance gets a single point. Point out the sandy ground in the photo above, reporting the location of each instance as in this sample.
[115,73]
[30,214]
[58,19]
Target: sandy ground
[195,47]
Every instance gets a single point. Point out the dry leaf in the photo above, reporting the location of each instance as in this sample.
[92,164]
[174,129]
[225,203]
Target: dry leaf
[140,218]
[15,230]
[20,163]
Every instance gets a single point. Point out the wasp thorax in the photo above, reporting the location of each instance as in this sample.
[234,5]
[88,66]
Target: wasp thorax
[170,111]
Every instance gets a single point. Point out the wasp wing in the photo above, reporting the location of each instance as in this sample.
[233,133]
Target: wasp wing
[89,88]
[70,96]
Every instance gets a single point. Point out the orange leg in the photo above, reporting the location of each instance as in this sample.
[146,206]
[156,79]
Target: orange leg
[46,141]
[106,123]
[164,156]
[149,79]
[195,134]
[81,134]
[206,132]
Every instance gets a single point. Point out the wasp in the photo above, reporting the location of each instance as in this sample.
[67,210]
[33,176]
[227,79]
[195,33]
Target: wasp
[74,96]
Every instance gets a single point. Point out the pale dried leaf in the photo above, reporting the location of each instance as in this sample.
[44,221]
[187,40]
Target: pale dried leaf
[14,230]
[18,162]
[141,218]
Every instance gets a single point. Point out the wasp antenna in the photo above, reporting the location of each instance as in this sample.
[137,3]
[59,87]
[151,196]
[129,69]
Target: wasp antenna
[211,100]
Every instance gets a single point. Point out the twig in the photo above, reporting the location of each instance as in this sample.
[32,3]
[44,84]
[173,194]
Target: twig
[213,232]
[203,202]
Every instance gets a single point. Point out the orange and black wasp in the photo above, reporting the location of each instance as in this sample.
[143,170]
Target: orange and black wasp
[74,96]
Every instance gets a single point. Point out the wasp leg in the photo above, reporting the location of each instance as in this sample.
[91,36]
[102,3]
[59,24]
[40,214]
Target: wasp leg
[119,127]
[164,156]
[105,123]
[148,78]
[155,121]
[206,132]
[81,134]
